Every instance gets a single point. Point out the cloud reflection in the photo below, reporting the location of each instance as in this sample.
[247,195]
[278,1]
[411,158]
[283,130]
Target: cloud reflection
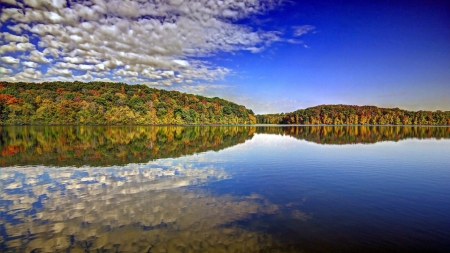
[138,207]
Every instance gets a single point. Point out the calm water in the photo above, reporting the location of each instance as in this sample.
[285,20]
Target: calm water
[225,189]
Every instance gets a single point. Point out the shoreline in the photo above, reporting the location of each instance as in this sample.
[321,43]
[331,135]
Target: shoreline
[220,125]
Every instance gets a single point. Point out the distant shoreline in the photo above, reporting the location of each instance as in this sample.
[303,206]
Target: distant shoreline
[98,103]
[222,125]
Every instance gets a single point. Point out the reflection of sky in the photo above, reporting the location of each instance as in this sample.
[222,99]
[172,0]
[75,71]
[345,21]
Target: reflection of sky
[144,204]
[192,199]
[395,190]
[409,151]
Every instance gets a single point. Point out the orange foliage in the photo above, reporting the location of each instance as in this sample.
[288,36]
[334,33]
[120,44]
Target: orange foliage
[94,92]
[8,99]
[10,150]
[96,156]
[77,99]
[59,90]
[142,94]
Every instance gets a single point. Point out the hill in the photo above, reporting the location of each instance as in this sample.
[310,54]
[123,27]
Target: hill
[356,115]
[99,103]
[94,103]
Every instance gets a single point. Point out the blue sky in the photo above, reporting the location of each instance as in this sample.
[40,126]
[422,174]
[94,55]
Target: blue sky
[271,56]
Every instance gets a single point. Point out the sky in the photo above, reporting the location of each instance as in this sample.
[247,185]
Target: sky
[272,56]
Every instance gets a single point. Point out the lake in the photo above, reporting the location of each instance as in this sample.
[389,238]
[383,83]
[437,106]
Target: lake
[225,189]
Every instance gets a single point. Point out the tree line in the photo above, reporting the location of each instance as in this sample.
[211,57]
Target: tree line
[356,115]
[98,103]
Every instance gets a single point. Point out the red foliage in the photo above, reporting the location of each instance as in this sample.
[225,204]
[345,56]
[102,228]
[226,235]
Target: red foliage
[10,150]
[94,92]
[59,90]
[77,99]
[8,99]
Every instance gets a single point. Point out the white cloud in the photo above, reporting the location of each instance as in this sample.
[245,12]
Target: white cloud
[5,70]
[64,65]
[52,51]
[15,38]
[45,3]
[85,77]
[30,64]
[60,72]
[293,41]
[9,60]
[167,74]
[18,27]
[150,41]
[100,67]
[38,57]
[181,63]
[207,89]
[302,30]
[14,47]
[123,72]
[26,75]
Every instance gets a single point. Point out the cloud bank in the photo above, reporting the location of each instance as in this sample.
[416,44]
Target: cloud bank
[155,42]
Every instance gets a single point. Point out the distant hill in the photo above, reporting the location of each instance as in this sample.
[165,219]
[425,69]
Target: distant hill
[356,115]
[95,103]
[99,103]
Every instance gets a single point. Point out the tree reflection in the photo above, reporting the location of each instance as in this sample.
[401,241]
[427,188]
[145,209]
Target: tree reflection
[341,135]
[111,145]
[115,145]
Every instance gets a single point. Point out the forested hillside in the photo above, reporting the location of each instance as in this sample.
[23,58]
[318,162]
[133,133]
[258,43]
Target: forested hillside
[98,103]
[111,103]
[356,115]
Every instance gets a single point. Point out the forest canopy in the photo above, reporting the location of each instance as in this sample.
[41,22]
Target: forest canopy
[95,103]
[99,103]
[356,115]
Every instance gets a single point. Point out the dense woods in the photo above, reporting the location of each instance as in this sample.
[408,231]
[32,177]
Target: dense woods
[97,103]
[55,103]
[356,115]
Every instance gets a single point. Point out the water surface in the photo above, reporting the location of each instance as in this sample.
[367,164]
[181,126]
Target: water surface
[225,189]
